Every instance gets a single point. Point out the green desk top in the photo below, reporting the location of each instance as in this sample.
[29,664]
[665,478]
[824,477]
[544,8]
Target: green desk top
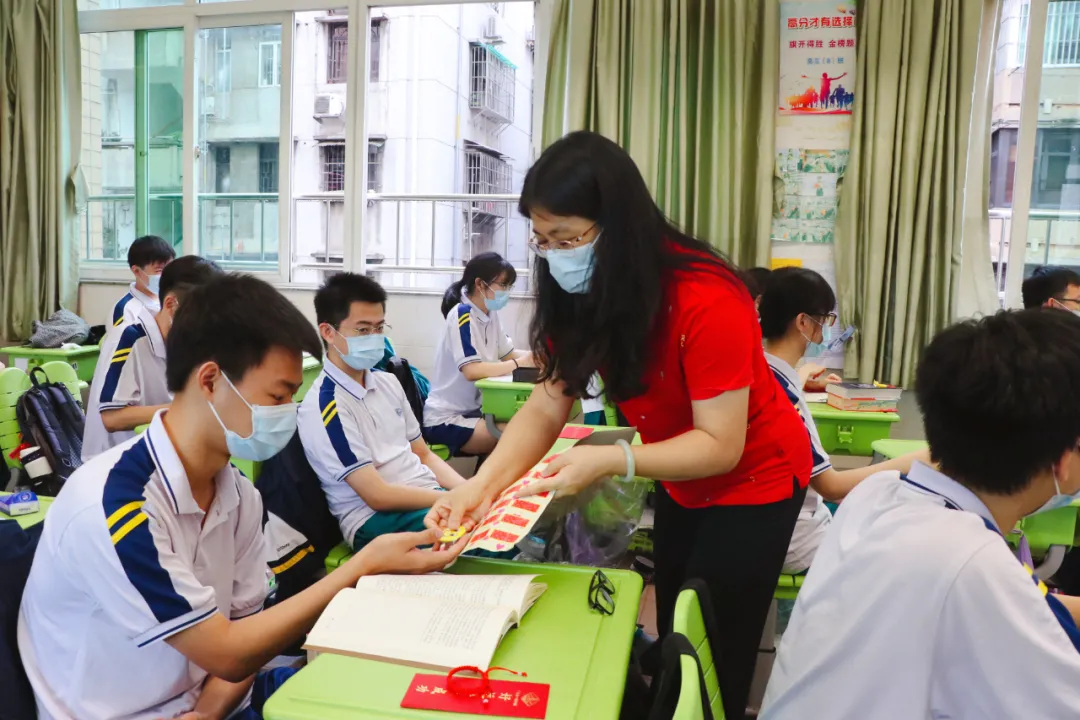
[823,411]
[581,653]
[492,384]
[33,518]
[58,353]
[891,449]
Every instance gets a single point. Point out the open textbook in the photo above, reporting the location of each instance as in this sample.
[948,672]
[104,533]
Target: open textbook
[431,621]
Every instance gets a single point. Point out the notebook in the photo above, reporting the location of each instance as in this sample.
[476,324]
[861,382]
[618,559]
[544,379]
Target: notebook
[431,621]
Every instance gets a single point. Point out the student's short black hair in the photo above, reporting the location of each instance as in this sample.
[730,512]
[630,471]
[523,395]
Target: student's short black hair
[999,397]
[339,292]
[181,276]
[234,320]
[790,292]
[1048,281]
[755,279]
[149,249]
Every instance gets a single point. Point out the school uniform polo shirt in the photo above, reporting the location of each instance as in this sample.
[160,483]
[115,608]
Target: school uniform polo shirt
[913,609]
[469,335]
[126,309]
[814,517]
[132,374]
[345,426]
[126,560]
[706,341]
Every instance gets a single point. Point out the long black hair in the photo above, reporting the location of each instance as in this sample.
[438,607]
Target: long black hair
[608,328]
[789,293]
[488,267]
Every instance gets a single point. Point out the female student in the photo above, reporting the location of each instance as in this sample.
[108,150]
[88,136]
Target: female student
[796,312]
[473,346]
[674,335]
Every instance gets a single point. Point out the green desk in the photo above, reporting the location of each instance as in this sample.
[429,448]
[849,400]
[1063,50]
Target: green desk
[26,521]
[844,432]
[500,401]
[83,359]
[892,449]
[581,653]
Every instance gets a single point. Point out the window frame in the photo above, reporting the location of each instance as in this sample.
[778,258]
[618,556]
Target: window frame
[193,16]
[275,79]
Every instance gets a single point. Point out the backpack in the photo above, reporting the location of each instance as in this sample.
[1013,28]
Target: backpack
[18,547]
[400,368]
[50,418]
[296,520]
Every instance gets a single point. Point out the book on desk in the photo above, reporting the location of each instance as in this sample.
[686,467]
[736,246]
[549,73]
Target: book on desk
[863,397]
[433,621]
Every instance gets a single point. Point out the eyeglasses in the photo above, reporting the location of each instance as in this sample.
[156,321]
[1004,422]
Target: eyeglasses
[826,320]
[504,286]
[601,594]
[541,247]
[1074,301]
[464,685]
[366,331]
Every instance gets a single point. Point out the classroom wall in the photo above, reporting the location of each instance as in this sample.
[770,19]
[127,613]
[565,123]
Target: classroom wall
[415,317]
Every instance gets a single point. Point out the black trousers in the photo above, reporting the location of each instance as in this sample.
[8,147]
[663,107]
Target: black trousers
[738,551]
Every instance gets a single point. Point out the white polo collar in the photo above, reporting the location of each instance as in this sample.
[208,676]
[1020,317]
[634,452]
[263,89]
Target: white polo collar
[925,478]
[174,478]
[475,313]
[153,332]
[338,376]
[785,369]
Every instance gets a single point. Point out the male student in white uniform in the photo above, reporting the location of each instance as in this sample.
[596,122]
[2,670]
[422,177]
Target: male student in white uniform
[915,606]
[358,430]
[147,258]
[796,310]
[129,381]
[146,593]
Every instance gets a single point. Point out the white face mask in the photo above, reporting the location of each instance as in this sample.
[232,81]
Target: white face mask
[1059,499]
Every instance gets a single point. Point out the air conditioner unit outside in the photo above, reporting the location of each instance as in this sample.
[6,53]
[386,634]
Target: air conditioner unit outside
[208,105]
[493,30]
[329,106]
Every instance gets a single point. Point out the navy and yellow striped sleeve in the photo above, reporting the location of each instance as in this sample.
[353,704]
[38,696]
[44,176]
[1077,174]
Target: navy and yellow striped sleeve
[118,309]
[459,325]
[818,456]
[129,561]
[332,439]
[121,383]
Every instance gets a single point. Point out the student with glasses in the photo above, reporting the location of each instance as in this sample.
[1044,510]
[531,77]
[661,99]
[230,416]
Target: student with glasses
[1051,286]
[473,346]
[675,337]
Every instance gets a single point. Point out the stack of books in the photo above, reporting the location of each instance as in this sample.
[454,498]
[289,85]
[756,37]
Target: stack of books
[862,397]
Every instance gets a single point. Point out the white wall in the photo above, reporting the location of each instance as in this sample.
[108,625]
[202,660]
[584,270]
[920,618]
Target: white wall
[415,317]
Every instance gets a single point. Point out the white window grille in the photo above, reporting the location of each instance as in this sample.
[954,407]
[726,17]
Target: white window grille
[492,83]
[333,167]
[375,165]
[1061,47]
[270,64]
[337,52]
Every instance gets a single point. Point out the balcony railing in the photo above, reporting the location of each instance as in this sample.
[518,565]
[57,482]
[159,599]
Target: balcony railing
[1053,239]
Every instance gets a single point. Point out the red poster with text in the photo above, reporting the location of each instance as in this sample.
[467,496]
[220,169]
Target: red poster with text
[507,698]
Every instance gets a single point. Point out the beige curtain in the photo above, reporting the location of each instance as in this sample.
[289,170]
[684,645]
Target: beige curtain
[40,120]
[689,88]
[902,206]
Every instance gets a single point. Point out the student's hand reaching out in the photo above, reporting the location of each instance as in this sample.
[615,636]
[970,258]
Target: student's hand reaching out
[815,378]
[464,505]
[399,553]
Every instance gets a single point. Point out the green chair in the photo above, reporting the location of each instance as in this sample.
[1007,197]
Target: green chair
[337,556]
[695,623]
[787,587]
[13,383]
[441,451]
[58,371]
[690,704]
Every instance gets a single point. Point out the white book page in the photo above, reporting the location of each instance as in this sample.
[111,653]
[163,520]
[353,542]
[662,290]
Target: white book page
[417,631]
[494,590]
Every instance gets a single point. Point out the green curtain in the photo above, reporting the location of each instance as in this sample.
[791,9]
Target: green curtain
[901,215]
[40,125]
[689,88]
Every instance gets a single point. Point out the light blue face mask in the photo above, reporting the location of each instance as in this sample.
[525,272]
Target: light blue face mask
[365,352]
[815,349]
[1059,500]
[272,427]
[153,283]
[573,268]
[499,301]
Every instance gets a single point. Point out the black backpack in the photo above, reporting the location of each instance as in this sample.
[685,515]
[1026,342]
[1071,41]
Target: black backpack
[296,519]
[399,367]
[50,418]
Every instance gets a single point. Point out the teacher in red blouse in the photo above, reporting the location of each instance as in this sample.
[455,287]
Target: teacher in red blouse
[674,334]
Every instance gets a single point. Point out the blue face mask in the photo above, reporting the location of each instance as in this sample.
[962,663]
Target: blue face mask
[499,301]
[1059,500]
[153,283]
[364,352]
[573,268]
[814,349]
[272,427]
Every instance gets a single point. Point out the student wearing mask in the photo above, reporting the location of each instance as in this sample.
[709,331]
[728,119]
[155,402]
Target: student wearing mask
[358,430]
[1052,286]
[147,258]
[916,607]
[129,384]
[796,311]
[675,337]
[145,600]
[473,346]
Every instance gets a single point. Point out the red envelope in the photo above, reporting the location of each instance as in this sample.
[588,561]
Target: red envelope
[508,698]
[575,433]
